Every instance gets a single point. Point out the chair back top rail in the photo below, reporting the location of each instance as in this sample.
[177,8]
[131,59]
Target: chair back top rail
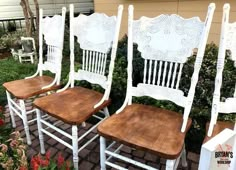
[165,43]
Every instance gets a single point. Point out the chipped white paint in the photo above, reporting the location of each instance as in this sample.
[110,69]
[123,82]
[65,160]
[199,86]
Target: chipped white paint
[165,43]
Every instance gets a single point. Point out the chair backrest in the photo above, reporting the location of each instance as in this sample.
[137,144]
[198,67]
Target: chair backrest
[51,31]
[165,43]
[28,44]
[96,35]
[227,42]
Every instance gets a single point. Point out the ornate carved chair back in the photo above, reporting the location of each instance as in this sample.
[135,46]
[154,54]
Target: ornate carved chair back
[51,34]
[227,42]
[165,43]
[97,35]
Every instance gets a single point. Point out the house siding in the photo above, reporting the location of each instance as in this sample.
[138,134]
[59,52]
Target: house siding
[12,9]
[185,8]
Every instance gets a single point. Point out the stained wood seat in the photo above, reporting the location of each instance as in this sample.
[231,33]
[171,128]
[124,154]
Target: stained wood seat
[72,106]
[147,128]
[25,88]
[218,127]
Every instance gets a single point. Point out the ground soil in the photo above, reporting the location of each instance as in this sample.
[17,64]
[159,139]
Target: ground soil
[5,54]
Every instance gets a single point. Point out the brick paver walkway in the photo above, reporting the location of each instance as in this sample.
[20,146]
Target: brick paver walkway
[89,157]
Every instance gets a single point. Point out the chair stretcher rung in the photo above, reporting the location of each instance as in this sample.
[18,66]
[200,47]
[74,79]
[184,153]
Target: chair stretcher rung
[123,158]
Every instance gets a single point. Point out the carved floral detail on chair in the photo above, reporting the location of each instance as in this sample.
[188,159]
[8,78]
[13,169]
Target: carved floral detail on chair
[51,28]
[156,35]
[95,32]
[231,40]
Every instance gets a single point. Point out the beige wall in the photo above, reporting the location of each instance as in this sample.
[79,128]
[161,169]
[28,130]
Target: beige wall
[185,8]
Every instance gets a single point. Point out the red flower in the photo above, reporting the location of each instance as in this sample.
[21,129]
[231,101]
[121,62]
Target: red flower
[67,165]
[23,168]
[47,155]
[1,122]
[35,162]
[60,160]
[44,163]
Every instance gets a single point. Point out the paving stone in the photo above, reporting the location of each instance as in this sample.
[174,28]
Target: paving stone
[92,145]
[31,152]
[97,168]
[85,165]
[163,167]
[150,157]
[154,164]
[126,149]
[138,153]
[52,142]
[83,153]
[126,154]
[193,157]
[94,157]
[139,160]
[194,166]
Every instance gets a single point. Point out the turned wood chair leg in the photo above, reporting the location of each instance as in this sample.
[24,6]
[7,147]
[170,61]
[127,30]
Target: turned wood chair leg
[75,146]
[41,138]
[10,109]
[25,121]
[102,153]
[183,157]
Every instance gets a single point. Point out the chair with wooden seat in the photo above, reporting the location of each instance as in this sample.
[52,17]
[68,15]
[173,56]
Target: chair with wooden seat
[165,43]
[96,35]
[19,91]
[221,129]
[227,42]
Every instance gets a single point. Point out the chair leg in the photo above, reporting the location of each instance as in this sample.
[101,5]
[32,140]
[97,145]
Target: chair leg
[102,153]
[75,146]
[32,60]
[172,164]
[20,59]
[41,138]
[25,121]
[183,157]
[10,109]
[107,114]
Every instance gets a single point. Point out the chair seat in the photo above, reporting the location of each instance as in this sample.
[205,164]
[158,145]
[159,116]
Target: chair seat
[147,128]
[26,88]
[219,126]
[72,106]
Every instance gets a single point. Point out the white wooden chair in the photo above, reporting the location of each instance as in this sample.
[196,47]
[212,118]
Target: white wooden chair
[19,91]
[165,43]
[210,157]
[216,133]
[96,34]
[28,51]
[227,42]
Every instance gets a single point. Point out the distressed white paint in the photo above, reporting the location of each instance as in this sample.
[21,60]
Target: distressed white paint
[95,48]
[225,140]
[227,41]
[52,63]
[94,56]
[153,36]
